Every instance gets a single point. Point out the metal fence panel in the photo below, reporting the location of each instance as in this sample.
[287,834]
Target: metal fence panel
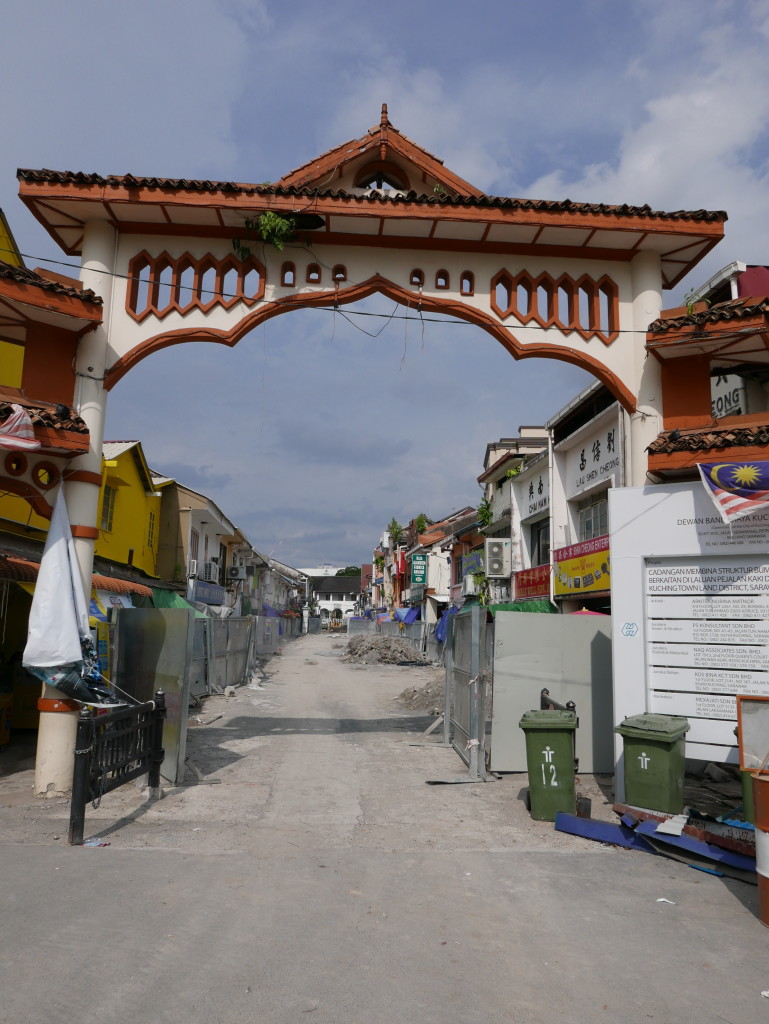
[313,624]
[414,634]
[199,662]
[355,626]
[266,635]
[236,657]
[471,667]
[153,651]
[434,649]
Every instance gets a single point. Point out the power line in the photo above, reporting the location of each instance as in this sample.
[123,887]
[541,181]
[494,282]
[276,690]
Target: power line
[333,308]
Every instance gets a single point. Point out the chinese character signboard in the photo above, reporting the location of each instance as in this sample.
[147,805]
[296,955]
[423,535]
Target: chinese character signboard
[533,494]
[582,568]
[530,583]
[595,459]
[418,570]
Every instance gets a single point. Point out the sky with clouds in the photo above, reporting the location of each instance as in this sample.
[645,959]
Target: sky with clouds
[311,434]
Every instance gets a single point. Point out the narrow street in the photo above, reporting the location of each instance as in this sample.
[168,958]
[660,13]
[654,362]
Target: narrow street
[312,871]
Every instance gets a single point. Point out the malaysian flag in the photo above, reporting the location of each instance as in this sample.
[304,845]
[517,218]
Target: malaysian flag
[737,488]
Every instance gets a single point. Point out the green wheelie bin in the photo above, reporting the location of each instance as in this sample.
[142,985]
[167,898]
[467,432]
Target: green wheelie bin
[654,747]
[550,762]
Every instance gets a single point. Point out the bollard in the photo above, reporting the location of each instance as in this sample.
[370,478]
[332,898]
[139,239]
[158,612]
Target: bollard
[80,777]
[158,753]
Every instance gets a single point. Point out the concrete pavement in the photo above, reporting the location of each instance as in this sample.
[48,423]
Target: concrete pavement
[319,875]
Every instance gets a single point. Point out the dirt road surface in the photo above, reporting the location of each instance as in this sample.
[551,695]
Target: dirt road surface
[313,871]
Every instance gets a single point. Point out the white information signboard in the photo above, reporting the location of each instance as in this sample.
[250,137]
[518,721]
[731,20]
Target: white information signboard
[690,611]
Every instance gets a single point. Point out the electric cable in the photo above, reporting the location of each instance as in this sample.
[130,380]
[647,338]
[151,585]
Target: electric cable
[446,319]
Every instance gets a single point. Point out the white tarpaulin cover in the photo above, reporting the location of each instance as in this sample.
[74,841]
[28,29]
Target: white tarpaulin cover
[58,617]
[17,432]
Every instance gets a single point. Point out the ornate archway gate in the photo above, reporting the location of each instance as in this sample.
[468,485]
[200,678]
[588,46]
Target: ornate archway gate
[572,281]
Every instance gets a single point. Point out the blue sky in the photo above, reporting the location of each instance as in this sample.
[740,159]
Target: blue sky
[309,434]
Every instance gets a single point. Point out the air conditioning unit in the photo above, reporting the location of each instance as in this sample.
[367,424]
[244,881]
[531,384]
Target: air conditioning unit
[210,572]
[469,588]
[498,558]
[236,572]
[192,567]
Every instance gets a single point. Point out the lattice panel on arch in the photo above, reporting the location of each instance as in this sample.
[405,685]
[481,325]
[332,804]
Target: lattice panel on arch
[163,284]
[586,306]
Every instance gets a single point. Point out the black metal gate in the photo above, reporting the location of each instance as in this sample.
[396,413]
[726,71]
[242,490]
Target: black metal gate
[111,750]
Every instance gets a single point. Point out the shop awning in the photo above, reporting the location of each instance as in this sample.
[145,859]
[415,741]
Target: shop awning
[22,570]
[170,599]
[535,605]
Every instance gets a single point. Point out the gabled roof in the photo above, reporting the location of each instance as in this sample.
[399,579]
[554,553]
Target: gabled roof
[447,527]
[112,450]
[435,209]
[381,144]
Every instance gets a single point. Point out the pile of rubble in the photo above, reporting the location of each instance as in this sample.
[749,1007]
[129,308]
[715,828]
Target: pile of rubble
[382,650]
[430,697]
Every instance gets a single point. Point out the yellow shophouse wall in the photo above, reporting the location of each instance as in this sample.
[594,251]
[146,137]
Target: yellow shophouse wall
[129,538]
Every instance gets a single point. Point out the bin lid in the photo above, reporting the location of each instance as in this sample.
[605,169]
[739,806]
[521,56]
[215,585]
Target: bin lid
[654,727]
[551,720]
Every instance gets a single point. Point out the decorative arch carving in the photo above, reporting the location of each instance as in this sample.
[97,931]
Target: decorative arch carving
[587,306]
[353,293]
[163,284]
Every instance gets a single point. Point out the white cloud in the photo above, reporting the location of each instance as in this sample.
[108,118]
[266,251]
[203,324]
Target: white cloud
[643,102]
[696,144]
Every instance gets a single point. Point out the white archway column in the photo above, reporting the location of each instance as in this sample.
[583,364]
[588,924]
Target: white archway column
[56,738]
[98,264]
[646,421]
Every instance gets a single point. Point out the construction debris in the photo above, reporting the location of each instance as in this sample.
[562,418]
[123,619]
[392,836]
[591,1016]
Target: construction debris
[382,650]
[430,697]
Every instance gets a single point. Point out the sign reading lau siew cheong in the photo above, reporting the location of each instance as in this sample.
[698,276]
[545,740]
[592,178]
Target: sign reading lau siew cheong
[418,569]
[596,460]
[582,568]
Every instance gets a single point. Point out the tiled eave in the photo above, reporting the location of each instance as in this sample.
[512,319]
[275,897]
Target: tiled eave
[59,430]
[63,201]
[23,570]
[740,326]
[25,289]
[674,451]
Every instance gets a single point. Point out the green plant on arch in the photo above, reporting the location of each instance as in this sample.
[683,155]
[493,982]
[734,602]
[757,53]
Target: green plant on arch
[272,228]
